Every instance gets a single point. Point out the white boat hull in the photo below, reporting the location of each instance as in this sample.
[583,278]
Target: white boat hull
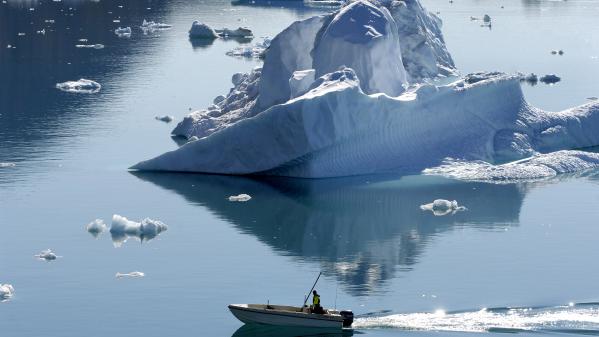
[284,316]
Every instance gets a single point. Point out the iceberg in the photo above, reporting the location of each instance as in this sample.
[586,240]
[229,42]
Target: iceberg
[47,255]
[240,198]
[350,93]
[441,207]
[122,229]
[82,86]
[6,292]
[96,227]
[201,30]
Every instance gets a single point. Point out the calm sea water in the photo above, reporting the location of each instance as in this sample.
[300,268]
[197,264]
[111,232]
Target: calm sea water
[529,247]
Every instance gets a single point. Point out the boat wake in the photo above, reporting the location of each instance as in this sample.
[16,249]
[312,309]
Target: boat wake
[575,318]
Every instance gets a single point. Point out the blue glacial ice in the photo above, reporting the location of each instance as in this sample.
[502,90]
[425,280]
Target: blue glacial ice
[349,93]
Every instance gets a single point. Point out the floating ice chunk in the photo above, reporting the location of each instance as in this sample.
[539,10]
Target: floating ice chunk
[6,292]
[242,32]
[133,274]
[240,197]
[441,207]
[123,32]
[255,51]
[123,228]
[96,227]
[82,86]
[41,32]
[47,255]
[487,19]
[550,79]
[536,167]
[531,78]
[5,165]
[201,30]
[94,46]
[165,118]
[151,26]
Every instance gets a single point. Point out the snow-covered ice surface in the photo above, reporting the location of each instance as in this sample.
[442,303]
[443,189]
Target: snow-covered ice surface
[367,110]
[47,255]
[6,292]
[122,229]
[82,86]
[96,227]
[240,198]
[441,207]
[133,274]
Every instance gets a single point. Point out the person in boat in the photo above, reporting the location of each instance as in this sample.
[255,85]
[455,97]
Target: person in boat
[316,308]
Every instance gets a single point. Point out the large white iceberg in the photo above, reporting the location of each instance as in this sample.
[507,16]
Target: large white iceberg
[343,94]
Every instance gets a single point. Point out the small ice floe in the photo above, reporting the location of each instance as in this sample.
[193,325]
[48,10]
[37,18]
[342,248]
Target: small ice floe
[5,165]
[41,32]
[82,86]
[93,46]
[131,274]
[151,26]
[442,207]
[123,32]
[165,118]
[6,292]
[21,34]
[49,21]
[531,78]
[241,32]
[201,30]
[96,227]
[550,79]
[255,51]
[240,198]
[47,255]
[123,229]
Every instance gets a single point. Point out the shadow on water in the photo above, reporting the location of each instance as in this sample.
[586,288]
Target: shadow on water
[362,230]
[248,330]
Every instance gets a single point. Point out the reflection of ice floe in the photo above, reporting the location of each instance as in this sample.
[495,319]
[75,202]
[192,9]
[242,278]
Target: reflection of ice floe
[201,30]
[538,166]
[165,118]
[240,198]
[123,32]
[96,227]
[122,229]
[133,274]
[82,86]
[47,255]
[91,46]
[6,292]
[441,207]
[255,51]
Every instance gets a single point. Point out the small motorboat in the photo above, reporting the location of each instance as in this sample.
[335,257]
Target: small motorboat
[284,315]
[290,316]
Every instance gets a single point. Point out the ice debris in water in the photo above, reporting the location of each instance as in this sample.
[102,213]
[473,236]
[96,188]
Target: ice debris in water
[123,32]
[47,255]
[240,197]
[550,79]
[123,228]
[6,292]
[82,86]
[96,227]
[242,32]
[255,51]
[441,207]
[151,26]
[93,46]
[531,78]
[165,118]
[131,274]
[557,52]
[201,30]
[5,165]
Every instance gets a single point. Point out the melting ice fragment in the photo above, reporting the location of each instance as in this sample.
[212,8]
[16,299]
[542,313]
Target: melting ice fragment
[96,227]
[123,32]
[47,255]
[133,274]
[441,207]
[123,228]
[82,86]
[240,197]
[6,292]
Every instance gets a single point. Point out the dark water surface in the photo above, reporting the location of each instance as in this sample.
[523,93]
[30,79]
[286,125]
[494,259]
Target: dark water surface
[527,252]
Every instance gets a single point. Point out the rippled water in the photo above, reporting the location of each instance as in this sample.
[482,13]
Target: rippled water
[526,250]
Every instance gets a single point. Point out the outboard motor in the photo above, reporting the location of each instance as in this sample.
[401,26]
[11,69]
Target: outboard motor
[348,318]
